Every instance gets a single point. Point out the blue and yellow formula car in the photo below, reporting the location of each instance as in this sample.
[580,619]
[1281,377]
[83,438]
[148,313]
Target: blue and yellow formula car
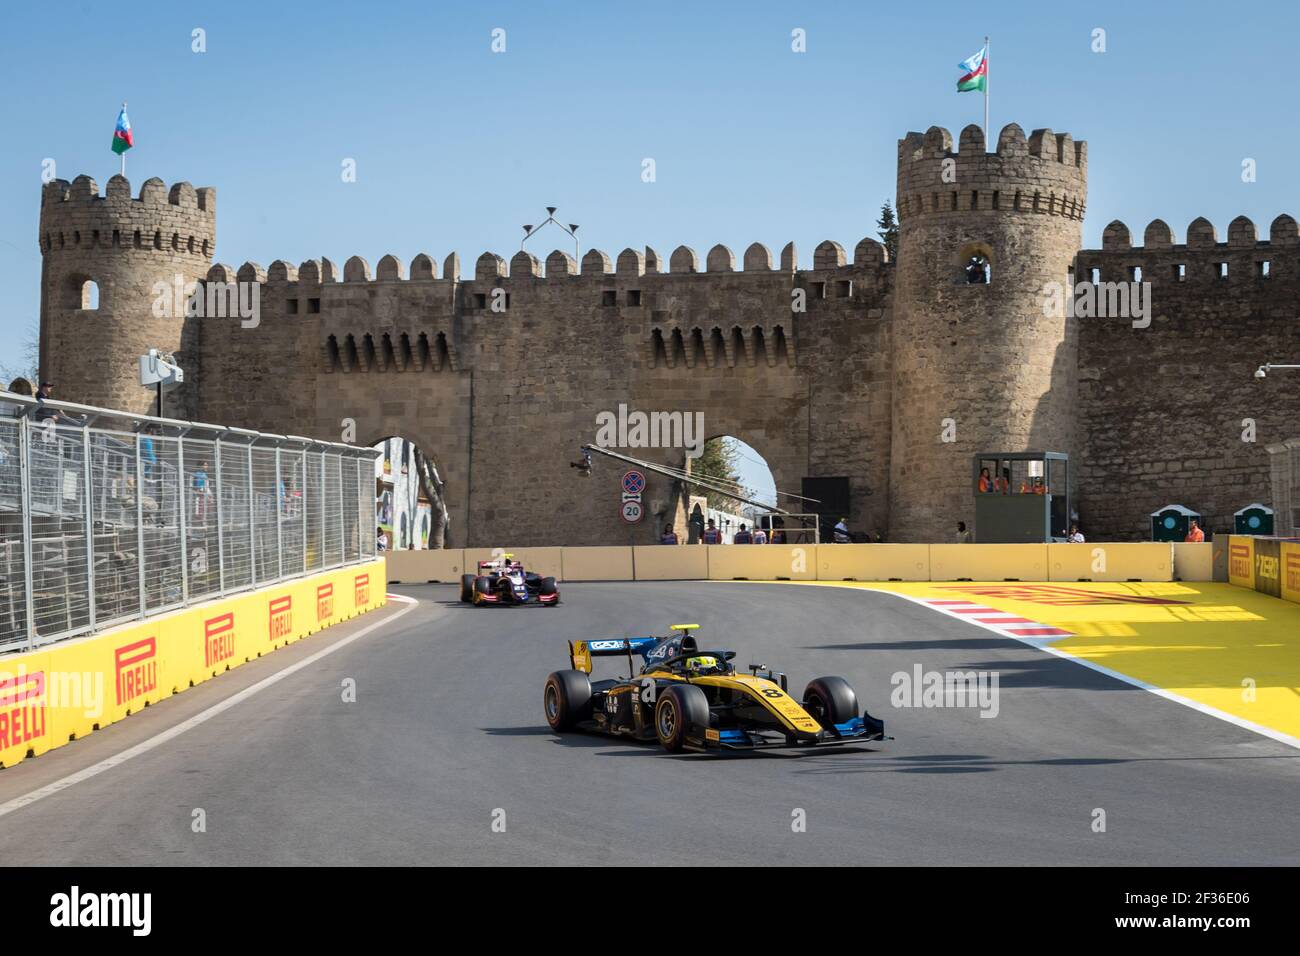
[690,698]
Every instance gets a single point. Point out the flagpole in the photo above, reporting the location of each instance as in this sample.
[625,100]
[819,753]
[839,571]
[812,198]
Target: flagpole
[986,94]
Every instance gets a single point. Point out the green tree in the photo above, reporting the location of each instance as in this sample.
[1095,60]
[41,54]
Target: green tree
[888,230]
[718,462]
[28,357]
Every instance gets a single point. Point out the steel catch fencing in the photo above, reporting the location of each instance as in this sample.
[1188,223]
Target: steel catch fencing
[107,517]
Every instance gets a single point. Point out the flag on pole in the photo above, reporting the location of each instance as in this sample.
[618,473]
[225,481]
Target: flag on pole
[975,69]
[122,137]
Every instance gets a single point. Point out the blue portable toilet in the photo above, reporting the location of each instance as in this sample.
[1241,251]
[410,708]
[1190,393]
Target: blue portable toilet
[1254,519]
[1172,522]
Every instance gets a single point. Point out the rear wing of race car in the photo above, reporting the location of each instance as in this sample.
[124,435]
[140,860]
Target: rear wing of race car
[581,652]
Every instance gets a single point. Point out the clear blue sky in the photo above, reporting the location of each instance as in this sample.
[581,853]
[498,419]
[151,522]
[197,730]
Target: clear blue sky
[456,147]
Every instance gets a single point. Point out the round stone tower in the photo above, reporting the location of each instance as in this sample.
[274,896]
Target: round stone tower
[137,255]
[987,365]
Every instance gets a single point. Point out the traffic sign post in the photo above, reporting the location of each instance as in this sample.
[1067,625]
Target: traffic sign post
[631,508]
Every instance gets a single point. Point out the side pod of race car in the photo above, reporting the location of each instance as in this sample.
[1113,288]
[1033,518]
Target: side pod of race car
[689,698]
[503,580]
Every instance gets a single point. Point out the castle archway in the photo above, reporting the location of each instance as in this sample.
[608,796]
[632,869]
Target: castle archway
[411,511]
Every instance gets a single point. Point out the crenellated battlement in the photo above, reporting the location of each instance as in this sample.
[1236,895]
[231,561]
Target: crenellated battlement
[1201,258]
[179,219]
[1045,174]
[869,256]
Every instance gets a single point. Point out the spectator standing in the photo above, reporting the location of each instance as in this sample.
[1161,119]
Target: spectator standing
[760,536]
[201,485]
[963,534]
[986,482]
[742,536]
[1076,536]
[1195,535]
[711,534]
[841,533]
[669,536]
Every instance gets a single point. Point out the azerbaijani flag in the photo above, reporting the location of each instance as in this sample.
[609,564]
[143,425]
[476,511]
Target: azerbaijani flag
[122,138]
[976,71]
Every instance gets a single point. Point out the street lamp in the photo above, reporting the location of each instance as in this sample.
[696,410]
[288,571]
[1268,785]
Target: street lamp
[1263,370]
[571,229]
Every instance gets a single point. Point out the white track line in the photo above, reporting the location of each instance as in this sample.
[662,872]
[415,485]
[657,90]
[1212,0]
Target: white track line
[1044,644]
[203,716]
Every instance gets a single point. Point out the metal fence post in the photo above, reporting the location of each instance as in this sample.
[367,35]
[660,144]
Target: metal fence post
[88,479]
[343,528]
[324,497]
[279,521]
[139,524]
[25,478]
[184,523]
[302,509]
[215,481]
[252,521]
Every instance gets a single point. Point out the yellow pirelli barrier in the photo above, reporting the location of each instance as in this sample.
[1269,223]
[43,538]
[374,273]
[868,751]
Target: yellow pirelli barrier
[68,689]
[988,562]
[1140,561]
[420,567]
[761,562]
[597,564]
[1194,561]
[671,562]
[873,562]
[1291,571]
[544,561]
[1241,561]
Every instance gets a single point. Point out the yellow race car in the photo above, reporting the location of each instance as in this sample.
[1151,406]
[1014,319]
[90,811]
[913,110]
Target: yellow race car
[691,698]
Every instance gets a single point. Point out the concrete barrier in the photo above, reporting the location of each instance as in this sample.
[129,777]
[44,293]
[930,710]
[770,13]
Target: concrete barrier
[1241,561]
[666,562]
[1291,571]
[545,561]
[1136,561]
[873,562]
[762,562]
[419,567]
[71,688]
[1194,561]
[596,564]
[988,562]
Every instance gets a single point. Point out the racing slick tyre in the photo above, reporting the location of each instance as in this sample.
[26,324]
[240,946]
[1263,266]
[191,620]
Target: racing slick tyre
[467,588]
[481,586]
[548,587]
[680,707]
[567,699]
[830,700]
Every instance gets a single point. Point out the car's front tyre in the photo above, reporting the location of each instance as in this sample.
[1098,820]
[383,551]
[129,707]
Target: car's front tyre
[467,588]
[567,699]
[681,708]
[830,701]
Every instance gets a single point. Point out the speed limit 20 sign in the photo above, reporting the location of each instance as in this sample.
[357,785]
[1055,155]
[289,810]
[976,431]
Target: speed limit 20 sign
[633,484]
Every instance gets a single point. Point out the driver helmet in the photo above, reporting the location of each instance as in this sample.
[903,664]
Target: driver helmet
[702,665]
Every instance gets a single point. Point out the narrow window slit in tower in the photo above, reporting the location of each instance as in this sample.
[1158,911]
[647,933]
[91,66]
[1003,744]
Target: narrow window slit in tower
[1262,268]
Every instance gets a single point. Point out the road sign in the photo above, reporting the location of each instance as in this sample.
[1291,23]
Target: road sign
[632,512]
[634,483]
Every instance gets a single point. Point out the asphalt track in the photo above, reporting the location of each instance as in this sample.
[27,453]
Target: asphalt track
[446,735]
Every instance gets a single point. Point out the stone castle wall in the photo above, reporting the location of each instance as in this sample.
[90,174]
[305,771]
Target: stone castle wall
[1164,409]
[857,384]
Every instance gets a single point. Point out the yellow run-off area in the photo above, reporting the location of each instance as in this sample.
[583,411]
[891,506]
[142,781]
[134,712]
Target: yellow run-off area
[1223,647]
